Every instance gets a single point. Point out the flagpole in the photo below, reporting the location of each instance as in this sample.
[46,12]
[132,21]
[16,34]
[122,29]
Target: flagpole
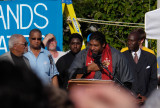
[158,41]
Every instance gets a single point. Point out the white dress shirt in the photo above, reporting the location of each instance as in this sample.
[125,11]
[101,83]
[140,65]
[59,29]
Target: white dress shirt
[138,53]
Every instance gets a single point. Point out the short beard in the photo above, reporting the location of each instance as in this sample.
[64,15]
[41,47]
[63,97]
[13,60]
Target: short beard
[52,49]
[36,48]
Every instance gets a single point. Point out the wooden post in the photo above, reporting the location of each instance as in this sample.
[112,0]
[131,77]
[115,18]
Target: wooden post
[158,42]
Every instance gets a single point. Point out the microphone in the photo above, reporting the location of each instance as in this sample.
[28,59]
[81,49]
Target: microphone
[50,59]
[97,59]
[98,62]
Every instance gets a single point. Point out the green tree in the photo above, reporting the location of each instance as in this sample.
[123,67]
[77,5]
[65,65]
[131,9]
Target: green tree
[132,11]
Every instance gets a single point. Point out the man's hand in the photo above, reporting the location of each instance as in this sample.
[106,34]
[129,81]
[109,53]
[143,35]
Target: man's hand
[47,38]
[101,96]
[141,99]
[106,63]
[93,67]
[55,81]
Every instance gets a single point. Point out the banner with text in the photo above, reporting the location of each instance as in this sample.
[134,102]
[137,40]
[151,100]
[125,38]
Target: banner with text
[19,17]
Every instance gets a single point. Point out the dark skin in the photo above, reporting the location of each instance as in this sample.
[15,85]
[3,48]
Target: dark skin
[75,45]
[133,45]
[133,42]
[141,99]
[96,47]
[35,42]
[35,46]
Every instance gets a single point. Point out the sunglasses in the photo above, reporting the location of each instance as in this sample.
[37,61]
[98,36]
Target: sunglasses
[25,44]
[36,39]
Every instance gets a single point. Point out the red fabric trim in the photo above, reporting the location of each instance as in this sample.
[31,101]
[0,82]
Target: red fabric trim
[106,56]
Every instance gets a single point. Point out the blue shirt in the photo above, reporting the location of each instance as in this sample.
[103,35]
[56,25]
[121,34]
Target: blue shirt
[43,66]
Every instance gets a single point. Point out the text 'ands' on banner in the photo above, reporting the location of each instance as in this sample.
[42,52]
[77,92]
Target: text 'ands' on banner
[19,17]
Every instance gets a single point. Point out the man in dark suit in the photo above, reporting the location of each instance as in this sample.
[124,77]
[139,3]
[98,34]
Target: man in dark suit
[144,68]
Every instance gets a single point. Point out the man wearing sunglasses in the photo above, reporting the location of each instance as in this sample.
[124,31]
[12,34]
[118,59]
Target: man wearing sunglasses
[18,46]
[41,60]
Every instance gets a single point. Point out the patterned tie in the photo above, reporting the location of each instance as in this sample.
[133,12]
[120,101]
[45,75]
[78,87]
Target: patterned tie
[135,58]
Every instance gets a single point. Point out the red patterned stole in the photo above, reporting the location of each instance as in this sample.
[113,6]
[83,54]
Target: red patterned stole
[106,56]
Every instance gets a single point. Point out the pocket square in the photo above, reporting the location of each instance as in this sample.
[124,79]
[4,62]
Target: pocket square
[147,67]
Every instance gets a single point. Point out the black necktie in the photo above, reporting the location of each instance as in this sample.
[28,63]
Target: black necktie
[135,58]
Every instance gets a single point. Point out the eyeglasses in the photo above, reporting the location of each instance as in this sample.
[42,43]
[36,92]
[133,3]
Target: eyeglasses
[25,44]
[36,39]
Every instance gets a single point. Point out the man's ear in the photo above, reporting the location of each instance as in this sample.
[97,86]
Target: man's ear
[14,47]
[103,45]
[139,42]
[142,41]
[29,39]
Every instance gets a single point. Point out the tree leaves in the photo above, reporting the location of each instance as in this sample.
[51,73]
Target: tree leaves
[113,10]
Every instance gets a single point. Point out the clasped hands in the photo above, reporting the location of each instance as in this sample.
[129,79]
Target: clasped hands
[141,99]
[93,67]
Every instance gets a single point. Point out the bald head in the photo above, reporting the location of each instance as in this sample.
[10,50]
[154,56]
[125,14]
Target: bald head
[18,44]
[14,39]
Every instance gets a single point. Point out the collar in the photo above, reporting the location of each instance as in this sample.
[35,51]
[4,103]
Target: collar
[16,56]
[29,50]
[73,53]
[138,53]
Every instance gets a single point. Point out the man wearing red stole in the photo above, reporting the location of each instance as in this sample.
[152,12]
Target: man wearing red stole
[93,61]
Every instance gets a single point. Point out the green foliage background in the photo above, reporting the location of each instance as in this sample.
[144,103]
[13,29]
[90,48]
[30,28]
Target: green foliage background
[132,11]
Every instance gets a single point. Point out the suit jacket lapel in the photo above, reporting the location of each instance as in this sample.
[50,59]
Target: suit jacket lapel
[132,64]
[130,57]
[27,62]
[141,60]
[10,57]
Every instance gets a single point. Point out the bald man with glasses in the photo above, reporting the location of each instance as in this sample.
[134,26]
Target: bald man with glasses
[17,46]
[41,61]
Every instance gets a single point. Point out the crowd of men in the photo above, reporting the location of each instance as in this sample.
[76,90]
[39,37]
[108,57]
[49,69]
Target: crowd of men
[135,68]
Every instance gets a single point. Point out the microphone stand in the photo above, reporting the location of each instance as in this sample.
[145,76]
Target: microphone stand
[110,74]
[97,61]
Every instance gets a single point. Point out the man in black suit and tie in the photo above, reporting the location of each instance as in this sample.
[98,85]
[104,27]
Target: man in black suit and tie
[144,68]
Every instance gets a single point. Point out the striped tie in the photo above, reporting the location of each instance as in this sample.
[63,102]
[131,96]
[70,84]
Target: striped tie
[135,58]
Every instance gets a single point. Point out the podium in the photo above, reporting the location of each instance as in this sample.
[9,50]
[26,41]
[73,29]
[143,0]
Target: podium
[91,93]
[88,82]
